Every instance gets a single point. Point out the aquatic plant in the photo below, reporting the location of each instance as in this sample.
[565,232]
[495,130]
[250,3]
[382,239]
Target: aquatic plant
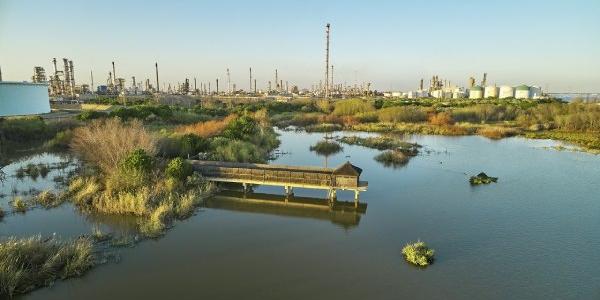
[482,178]
[392,158]
[326,148]
[382,143]
[417,253]
[20,205]
[496,132]
[48,199]
[29,263]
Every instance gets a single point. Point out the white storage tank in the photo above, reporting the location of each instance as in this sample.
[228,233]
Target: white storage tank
[22,98]
[437,94]
[522,92]
[476,92]
[506,92]
[490,92]
[458,93]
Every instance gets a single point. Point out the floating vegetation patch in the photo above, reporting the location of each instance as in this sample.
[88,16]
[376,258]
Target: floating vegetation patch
[482,178]
[326,148]
[383,143]
[392,158]
[418,253]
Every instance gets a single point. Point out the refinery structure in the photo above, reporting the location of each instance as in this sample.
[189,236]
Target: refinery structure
[444,89]
[62,85]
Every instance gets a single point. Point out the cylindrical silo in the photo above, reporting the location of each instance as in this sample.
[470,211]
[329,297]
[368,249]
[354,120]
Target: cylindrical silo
[490,92]
[506,92]
[476,92]
[522,92]
[535,92]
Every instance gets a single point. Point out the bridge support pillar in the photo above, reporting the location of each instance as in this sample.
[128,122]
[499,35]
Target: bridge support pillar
[356,198]
[288,190]
[332,195]
[245,185]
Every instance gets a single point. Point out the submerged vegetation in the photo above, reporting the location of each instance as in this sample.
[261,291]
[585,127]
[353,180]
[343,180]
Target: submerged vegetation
[29,263]
[418,254]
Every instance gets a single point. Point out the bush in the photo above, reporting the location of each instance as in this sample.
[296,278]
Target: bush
[418,253]
[351,107]
[106,143]
[408,114]
[178,168]
[441,119]
[20,205]
[240,128]
[207,129]
[87,115]
[392,158]
[137,161]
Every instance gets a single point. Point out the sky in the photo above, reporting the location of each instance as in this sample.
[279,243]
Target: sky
[392,44]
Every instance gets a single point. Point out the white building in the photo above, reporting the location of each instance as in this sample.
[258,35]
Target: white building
[522,92]
[506,91]
[476,92]
[23,98]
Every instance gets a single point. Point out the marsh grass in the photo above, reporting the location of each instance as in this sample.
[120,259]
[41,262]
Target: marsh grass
[382,143]
[418,253]
[392,158]
[48,199]
[496,132]
[326,148]
[20,205]
[29,263]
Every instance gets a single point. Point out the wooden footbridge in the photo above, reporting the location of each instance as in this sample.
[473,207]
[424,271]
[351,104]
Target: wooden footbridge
[344,177]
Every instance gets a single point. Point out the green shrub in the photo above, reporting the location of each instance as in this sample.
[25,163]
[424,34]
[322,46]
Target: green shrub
[418,253]
[408,114]
[87,115]
[392,158]
[240,128]
[351,107]
[178,168]
[20,205]
[191,144]
[138,160]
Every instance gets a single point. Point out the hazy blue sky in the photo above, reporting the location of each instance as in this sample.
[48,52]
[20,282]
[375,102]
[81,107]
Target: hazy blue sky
[555,44]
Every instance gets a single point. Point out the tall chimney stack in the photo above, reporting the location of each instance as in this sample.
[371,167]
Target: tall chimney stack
[327,30]
[250,88]
[157,86]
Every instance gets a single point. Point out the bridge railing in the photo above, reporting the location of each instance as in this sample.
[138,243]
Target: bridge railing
[292,177]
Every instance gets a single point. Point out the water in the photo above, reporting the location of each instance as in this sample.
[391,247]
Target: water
[532,235]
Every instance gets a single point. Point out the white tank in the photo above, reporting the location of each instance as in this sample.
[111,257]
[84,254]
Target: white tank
[522,92]
[437,94]
[22,98]
[490,92]
[476,92]
[506,92]
[458,94]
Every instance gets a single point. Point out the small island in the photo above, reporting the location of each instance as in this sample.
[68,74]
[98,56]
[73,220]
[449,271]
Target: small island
[482,178]
[418,253]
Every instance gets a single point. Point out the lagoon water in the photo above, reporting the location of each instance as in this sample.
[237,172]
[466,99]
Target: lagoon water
[533,235]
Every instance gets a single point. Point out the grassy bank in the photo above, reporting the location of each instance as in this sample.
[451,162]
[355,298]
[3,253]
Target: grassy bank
[493,118]
[29,263]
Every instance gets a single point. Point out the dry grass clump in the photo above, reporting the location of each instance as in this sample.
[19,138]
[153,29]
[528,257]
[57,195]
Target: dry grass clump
[106,143]
[441,119]
[28,263]
[48,199]
[207,129]
[497,133]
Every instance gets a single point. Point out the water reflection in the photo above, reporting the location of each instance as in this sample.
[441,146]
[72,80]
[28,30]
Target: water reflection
[340,213]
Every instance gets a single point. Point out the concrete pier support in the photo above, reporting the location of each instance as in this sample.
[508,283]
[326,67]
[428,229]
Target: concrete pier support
[356,198]
[289,191]
[245,185]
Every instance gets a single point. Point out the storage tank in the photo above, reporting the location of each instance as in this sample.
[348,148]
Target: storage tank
[535,92]
[22,98]
[490,92]
[476,92]
[522,92]
[506,92]
[458,93]
[437,94]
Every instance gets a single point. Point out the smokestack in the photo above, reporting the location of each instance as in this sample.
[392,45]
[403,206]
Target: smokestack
[276,80]
[72,71]
[327,29]
[255,86]
[332,86]
[134,86]
[114,73]
[217,86]
[195,89]
[484,81]
[92,80]
[0,73]
[228,82]
[250,90]
[421,85]
[157,86]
